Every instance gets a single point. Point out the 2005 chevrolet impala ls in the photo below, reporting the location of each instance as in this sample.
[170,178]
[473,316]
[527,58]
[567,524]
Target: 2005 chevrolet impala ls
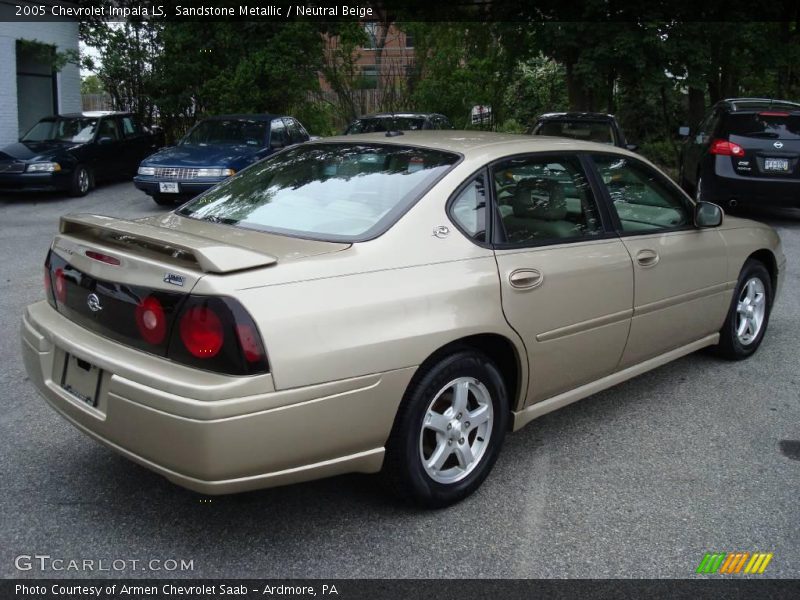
[386,302]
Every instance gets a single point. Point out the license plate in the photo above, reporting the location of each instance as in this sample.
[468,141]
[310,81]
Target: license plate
[168,188]
[776,164]
[81,379]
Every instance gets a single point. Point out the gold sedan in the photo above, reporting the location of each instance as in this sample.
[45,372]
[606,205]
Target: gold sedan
[386,302]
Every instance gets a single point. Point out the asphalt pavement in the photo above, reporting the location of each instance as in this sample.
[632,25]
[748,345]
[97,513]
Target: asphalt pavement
[638,481]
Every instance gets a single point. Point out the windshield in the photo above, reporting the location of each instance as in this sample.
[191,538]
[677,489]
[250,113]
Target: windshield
[234,131]
[339,192]
[588,131]
[377,124]
[78,129]
[768,124]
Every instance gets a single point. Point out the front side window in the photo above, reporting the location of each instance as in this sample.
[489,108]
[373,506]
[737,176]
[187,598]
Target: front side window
[108,129]
[544,199]
[641,198]
[468,210]
[337,192]
[278,136]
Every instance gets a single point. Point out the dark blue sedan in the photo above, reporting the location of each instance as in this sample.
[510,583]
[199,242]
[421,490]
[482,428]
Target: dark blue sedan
[212,151]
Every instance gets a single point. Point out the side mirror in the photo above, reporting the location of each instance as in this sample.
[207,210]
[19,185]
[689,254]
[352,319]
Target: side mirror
[104,140]
[707,214]
[632,147]
[683,131]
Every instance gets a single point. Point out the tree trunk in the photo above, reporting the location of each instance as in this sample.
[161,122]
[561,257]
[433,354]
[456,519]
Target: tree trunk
[696,106]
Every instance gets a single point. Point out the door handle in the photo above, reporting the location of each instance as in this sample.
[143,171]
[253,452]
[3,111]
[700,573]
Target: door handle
[525,279]
[647,258]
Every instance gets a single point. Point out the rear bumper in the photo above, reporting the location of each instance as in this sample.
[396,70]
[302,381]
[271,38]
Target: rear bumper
[212,433]
[149,185]
[726,185]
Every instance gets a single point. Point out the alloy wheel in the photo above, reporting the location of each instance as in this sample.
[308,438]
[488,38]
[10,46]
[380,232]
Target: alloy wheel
[455,430]
[750,311]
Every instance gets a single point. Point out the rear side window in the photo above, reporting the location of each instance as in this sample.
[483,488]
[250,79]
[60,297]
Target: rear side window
[130,127]
[767,124]
[468,210]
[544,200]
[336,192]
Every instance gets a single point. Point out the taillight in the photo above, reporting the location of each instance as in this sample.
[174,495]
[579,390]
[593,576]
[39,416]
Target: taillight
[217,334]
[725,148]
[48,282]
[151,320]
[773,113]
[201,332]
[60,285]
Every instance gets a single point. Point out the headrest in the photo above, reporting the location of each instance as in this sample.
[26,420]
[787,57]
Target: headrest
[539,199]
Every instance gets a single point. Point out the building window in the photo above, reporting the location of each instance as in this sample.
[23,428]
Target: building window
[409,40]
[369,77]
[371,29]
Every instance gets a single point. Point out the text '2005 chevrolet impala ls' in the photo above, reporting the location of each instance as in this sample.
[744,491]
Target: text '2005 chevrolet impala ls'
[386,302]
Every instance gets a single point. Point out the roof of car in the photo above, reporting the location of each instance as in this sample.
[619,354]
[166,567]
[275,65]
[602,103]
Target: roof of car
[587,116]
[92,114]
[474,142]
[386,115]
[745,104]
[254,117]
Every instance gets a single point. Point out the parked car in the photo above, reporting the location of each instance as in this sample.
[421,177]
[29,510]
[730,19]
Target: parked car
[212,151]
[72,152]
[368,304]
[586,126]
[398,122]
[746,151]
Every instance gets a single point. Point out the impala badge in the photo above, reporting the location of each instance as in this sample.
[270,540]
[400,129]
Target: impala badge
[778,145]
[94,303]
[441,231]
[173,279]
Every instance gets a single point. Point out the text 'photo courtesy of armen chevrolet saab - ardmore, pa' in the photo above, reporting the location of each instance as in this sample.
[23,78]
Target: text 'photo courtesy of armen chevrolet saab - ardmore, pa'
[480,292]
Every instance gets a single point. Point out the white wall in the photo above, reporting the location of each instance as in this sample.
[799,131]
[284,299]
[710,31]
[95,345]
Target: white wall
[64,36]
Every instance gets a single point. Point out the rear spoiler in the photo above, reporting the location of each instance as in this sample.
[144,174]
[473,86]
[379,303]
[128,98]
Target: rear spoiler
[193,251]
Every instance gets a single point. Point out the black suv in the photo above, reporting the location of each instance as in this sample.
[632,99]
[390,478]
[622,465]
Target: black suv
[744,152]
[587,126]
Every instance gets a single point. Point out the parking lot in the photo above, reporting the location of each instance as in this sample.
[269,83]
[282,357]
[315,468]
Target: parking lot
[638,481]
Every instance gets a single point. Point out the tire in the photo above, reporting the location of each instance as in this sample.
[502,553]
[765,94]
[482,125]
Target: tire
[450,436]
[748,315]
[163,200]
[81,181]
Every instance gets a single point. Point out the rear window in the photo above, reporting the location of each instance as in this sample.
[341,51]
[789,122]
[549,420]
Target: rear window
[588,131]
[767,124]
[336,192]
[386,124]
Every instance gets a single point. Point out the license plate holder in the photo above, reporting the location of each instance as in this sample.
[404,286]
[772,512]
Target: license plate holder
[779,165]
[168,187]
[81,379]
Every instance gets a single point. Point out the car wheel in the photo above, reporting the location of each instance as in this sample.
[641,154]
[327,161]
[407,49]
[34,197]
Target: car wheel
[748,315]
[163,200]
[81,181]
[448,430]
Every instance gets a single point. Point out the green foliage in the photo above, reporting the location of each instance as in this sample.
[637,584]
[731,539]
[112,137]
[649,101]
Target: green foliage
[91,84]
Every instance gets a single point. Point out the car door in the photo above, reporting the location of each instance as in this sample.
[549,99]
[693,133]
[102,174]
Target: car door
[566,279]
[137,144]
[109,149]
[679,270]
